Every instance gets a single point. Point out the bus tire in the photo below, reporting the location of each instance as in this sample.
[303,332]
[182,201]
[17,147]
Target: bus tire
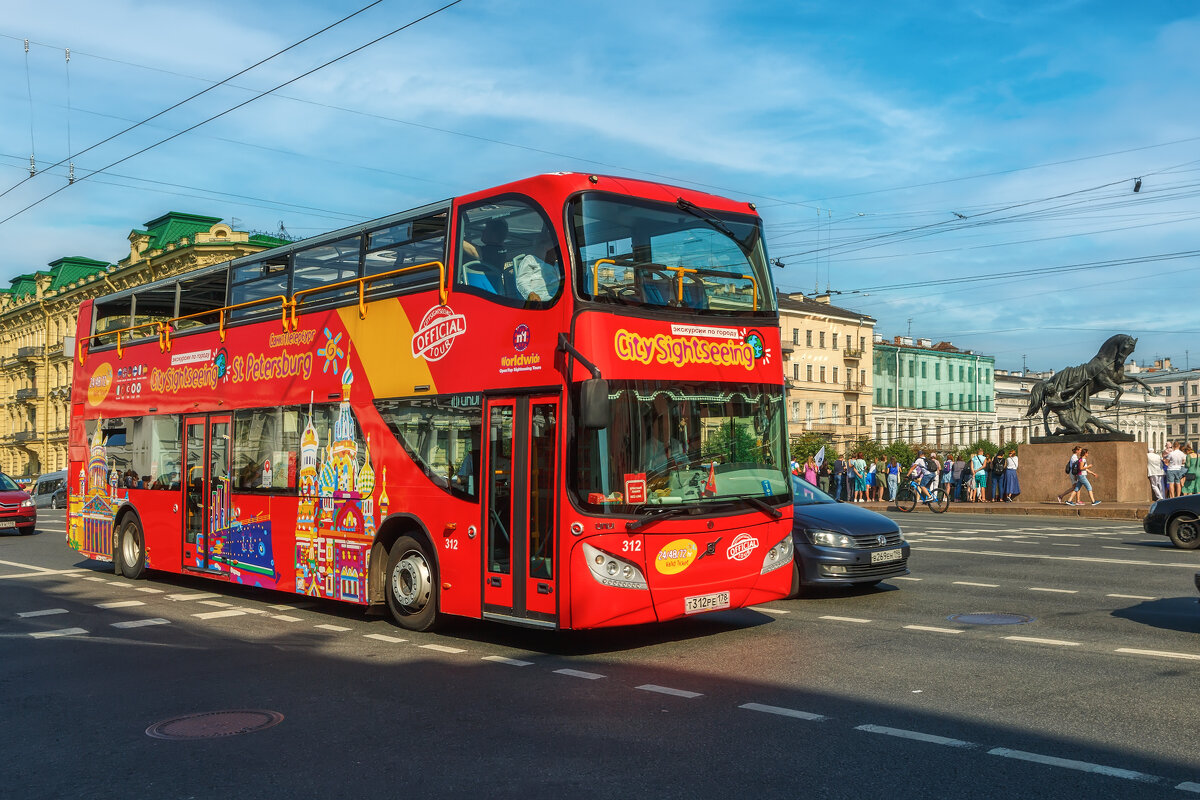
[410,584]
[131,548]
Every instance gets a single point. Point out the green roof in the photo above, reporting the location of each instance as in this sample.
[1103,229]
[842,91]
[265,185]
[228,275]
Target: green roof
[69,269]
[24,285]
[174,226]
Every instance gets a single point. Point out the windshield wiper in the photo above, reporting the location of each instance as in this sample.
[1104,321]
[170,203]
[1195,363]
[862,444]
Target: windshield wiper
[716,222]
[759,503]
[655,516]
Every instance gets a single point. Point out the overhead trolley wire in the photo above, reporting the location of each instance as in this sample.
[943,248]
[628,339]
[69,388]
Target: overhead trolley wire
[242,104]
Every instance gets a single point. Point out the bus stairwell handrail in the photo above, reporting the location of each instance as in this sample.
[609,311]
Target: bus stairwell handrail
[365,280]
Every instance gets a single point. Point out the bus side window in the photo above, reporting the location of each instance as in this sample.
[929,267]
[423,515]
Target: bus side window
[508,248]
[406,244]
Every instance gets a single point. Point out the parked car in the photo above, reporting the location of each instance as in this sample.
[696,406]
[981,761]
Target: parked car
[1177,518]
[50,490]
[842,544]
[17,510]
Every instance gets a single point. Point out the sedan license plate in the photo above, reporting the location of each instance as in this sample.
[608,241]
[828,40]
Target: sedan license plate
[705,602]
[7,523]
[884,555]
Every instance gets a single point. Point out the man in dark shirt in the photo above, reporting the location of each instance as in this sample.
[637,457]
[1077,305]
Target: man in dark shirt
[839,479]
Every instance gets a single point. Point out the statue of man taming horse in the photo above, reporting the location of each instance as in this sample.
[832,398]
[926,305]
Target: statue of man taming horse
[1067,393]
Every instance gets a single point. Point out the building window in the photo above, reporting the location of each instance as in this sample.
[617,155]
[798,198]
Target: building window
[808,338]
[822,374]
[924,400]
[912,368]
[835,378]
[795,336]
[795,409]
[937,372]
[834,416]
[808,413]
[960,373]
[937,401]
[821,413]
[849,414]
[878,396]
[862,416]
[1168,391]
[862,343]
[821,339]
[795,372]
[911,404]
[971,374]
[923,375]
[835,341]
[889,397]
[862,376]
[808,372]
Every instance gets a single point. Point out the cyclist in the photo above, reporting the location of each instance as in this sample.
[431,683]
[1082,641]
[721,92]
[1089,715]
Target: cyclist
[922,477]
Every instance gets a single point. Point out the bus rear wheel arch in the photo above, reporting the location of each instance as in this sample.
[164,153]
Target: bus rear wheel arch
[410,585]
[130,555]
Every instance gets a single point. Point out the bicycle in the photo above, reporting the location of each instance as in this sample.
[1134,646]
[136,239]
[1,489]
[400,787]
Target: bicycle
[906,498]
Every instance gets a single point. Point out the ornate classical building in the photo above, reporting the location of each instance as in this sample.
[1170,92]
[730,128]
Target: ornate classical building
[37,326]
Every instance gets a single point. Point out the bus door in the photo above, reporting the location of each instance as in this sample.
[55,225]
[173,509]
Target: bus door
[205,487]
[520,571]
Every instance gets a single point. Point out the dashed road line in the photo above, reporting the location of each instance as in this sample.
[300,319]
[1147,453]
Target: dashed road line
[1056,591]
[845,619]
[149,590]
[43,613]
[769,610]
[1131,596]
[784,712]
[1189,786]
[1036,640]
[216,603]
[328,627]
[652,687]
[575,673]
[285,618]
[141,623]
[229,612]
[382,637]
[191,596]
[60,632]
[929,738]
[905,578]
[441,648]
[1157,653]
[1067,763]
[120,604]
[512,662]
[984,585]
[932,629]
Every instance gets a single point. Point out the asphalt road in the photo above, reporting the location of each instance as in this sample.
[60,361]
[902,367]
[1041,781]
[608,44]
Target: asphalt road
[875,692]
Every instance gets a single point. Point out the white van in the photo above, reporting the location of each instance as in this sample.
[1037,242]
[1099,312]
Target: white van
[50,490]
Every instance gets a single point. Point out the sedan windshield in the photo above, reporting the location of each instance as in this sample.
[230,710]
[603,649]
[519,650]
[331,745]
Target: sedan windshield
[675,444]
[670,254]
[805,494]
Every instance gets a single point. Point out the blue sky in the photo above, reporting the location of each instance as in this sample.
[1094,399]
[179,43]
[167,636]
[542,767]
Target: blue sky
[861,130]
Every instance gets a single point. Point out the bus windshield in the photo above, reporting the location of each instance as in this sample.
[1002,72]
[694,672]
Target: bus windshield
[676,444]
[669,254]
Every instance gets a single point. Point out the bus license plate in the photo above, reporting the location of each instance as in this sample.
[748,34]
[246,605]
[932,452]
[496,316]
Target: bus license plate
[884,555]
[705,602]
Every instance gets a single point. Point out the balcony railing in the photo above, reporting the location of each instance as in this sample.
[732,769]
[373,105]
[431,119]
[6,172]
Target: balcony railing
[30,352]
[852,352]
[29,393]
[25,436]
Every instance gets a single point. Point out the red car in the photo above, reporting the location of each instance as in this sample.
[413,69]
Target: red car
[16,507]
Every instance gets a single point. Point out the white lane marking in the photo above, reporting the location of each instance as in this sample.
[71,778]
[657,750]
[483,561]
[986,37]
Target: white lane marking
[122,584]
[25,566]
[191,596]
[120,604]
[252,610]
[60,632]
[216,603]
[784,712]
[769,610]
[327,627]
[1114,547]
[1067,763]
[441,648]
[512,662]
[1131,596]
[148,590]
[984,585]
[1189,786]
[905,578]
[845,619]
[94,578]
[382,637]
[44,612]
[1064,544]
[1056,591]
[141,623]
[1159,653]
[915,735]
[42,573]
[229,612]
[285,618]
[932,629]
[1002,554]
[651,687]
[1036,640]
[575,673]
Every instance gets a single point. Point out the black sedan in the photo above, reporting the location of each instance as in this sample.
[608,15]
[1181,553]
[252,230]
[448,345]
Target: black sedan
[1177,518]
[841,544]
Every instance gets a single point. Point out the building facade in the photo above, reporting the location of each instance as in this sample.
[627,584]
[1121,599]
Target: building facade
[827,363]
[932,394]
[1179,393]
[37,326]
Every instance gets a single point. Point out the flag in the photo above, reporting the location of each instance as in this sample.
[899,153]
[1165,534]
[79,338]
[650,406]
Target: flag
[710,487]
[820,457]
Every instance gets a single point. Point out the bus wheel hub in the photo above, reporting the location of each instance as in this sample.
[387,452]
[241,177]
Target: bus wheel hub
[411,583]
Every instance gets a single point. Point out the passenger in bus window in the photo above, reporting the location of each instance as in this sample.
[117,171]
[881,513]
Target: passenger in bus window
[538,273]
[490,256]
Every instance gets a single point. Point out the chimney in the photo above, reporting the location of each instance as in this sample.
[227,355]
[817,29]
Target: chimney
[906,341]
[877,338]
[822,298]
[925,342]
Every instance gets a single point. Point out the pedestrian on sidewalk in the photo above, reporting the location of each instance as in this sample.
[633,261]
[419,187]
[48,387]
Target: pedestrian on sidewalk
[961,477]
[979,473]
[1191,475]
[1012,486]
[948,476]
[1154,473]
[858,472]
[839,482]
[1176,465]
[893,478]
[824,476]
[1085,471]
[871,481]
[998,467]
[1072,473]
[810,471]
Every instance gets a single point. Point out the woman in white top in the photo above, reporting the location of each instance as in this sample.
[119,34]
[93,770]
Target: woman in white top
[1012,487]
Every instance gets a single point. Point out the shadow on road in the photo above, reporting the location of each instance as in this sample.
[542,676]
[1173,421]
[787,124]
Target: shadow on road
[1168,613]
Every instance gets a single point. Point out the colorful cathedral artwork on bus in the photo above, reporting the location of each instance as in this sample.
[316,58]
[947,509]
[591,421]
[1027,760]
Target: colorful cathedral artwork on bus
[335,519]
[91,506]
[240,548]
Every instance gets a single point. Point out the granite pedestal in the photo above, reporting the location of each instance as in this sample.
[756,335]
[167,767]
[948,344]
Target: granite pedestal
[1120,468]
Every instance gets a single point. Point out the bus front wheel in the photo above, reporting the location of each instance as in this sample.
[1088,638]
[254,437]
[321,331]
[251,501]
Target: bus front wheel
[131,548]
[411,585]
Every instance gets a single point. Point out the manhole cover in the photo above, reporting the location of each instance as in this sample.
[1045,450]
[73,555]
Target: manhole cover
[990,618]
[214,724]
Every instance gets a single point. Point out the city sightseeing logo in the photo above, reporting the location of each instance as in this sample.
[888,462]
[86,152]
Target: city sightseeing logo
[437,332]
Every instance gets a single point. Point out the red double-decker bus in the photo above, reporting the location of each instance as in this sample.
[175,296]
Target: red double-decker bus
[555,403]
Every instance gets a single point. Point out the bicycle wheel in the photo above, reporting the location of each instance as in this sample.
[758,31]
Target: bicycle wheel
[940,502]
[906,499]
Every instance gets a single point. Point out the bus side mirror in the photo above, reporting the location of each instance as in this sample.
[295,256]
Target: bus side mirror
[595,407]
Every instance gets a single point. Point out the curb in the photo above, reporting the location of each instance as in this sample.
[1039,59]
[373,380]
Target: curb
[1122,511]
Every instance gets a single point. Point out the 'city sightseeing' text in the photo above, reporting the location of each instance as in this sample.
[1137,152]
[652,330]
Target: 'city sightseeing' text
[682,350]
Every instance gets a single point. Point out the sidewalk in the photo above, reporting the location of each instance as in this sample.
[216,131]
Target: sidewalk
[1106,510]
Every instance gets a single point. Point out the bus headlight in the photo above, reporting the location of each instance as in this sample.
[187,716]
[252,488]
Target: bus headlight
[778,556]
[609,570]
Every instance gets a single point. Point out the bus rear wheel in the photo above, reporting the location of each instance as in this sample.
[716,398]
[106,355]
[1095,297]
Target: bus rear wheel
[131,549]
[411,585]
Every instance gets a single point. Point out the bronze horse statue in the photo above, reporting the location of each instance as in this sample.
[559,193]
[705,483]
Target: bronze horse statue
[1067,393]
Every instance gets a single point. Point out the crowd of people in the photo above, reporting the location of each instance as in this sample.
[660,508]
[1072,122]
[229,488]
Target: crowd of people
[1173,472]
[970,478]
